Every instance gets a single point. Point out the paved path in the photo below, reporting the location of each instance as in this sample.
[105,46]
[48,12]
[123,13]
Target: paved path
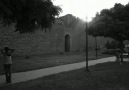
[34,74]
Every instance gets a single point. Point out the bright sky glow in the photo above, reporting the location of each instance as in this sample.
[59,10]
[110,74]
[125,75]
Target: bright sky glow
[83,8]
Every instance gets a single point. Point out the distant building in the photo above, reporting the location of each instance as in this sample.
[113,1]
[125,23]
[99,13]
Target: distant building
[67,35]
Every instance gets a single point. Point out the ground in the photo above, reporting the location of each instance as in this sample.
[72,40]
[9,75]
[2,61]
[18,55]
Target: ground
[105,76]
[43,61]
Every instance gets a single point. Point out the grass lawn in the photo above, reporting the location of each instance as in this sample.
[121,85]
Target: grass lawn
[106,76]
[44,61]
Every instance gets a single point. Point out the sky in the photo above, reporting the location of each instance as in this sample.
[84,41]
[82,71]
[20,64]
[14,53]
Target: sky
[85,8]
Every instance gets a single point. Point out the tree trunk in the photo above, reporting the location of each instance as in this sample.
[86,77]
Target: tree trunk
[121,56]
[96,47]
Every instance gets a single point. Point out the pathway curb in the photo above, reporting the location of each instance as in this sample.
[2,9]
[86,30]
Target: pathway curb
[34,74]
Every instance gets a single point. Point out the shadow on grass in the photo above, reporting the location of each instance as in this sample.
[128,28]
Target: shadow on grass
[105,76]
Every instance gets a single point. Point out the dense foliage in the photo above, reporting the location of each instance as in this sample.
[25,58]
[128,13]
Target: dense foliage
[113,45]
[112,23]
[28,14]
[69,21]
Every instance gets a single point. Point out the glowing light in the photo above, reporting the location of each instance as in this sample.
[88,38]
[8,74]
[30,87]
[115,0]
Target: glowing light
[83,8]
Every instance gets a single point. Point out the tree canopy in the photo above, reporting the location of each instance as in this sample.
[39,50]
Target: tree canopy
[28,14]
[113,22]
[113,44]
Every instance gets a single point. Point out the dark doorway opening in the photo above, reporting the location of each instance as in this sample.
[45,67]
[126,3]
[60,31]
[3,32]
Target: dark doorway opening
[67,43]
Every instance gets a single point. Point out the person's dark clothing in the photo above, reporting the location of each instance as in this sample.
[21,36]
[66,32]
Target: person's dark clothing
[7,69]
[7,62]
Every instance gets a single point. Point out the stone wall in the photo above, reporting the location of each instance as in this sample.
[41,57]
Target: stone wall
[40,42]
[51,41]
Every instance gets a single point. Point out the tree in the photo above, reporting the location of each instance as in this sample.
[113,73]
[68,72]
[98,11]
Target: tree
[112,23]
[107,45]
[28,14]
[113,45]
[69,20]
[94,30]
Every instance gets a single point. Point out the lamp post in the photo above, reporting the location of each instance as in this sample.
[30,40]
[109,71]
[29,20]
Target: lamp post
[87,45]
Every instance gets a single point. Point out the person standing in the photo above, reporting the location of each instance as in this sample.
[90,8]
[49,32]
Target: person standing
[7,61]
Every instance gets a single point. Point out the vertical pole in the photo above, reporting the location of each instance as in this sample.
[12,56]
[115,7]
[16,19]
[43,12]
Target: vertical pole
[96,46]
[87,46]
[121,56]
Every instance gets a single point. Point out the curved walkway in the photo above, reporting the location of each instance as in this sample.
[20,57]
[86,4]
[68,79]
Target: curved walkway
[34,74]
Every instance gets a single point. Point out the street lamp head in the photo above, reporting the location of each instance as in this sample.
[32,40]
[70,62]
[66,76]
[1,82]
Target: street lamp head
[86,19]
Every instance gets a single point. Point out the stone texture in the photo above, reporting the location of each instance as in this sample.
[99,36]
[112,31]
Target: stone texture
[49,41]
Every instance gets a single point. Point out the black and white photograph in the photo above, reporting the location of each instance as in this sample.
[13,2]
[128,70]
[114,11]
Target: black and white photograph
[64,45]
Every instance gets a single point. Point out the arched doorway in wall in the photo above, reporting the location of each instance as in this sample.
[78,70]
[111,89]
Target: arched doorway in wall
[67,43]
